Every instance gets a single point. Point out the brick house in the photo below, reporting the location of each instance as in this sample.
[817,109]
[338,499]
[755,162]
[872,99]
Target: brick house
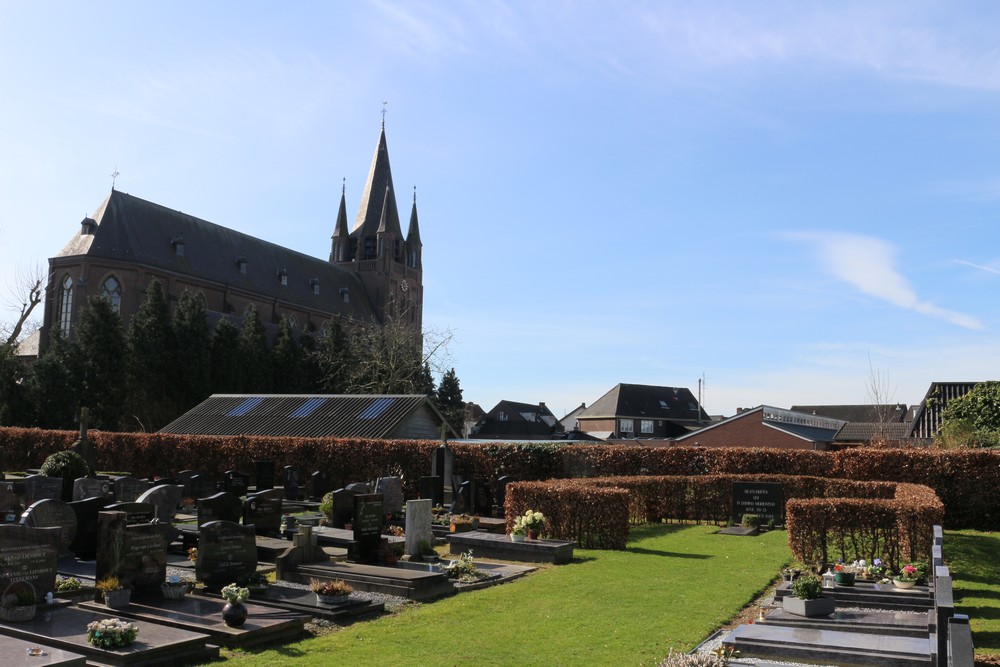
[766,426]
[642,411]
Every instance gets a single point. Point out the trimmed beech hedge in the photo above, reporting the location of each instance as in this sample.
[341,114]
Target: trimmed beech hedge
[594,517]
[897,530]
[966,481]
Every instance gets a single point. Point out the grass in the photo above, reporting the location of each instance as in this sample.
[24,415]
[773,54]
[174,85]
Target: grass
[672,587]
[974,560]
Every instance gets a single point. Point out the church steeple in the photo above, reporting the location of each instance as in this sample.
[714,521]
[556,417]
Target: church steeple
[341,238]
[372,200]
[413,244]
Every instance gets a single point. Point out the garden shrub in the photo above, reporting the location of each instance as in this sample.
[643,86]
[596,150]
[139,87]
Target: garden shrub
[66,464]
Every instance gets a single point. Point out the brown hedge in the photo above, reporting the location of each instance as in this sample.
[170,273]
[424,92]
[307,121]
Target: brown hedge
[592,516]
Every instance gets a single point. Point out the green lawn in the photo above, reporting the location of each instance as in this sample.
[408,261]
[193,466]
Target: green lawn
[974,560]
[671,587]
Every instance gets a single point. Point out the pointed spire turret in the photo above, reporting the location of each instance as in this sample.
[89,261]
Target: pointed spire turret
[341,241]
[413,244]
[372,200]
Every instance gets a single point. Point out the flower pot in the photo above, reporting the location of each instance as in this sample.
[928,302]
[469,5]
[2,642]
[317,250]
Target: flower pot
[903,585]
[533,534]
[516,538]
[844,578]
[332,599]
[810,608]
[174,592]
[17,614]
[118,599]
[234,614]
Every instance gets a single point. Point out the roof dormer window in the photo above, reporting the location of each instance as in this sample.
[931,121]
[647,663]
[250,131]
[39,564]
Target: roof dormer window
[314,284]
[345,295]
[241,265]
[283,277]
[88,227]
[178,244]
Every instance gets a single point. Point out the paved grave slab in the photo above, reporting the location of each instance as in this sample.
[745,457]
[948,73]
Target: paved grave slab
[873,596]
[829,646]
[203,615]
[304,602]
[66,628]
[900,624]
[501,547]
[15,654]
[400,581]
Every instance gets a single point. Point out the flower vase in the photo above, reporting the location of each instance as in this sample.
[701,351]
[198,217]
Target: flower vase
[903,585]
[516,538]
[118,599]
[234,614]
[533,534]
[845,578]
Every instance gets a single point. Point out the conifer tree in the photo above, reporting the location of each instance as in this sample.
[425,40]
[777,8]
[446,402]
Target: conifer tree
[192,370]
[53,388]
[449,401]
[152,363]
[255,360]
[287,361]
[225,355]
[100,360]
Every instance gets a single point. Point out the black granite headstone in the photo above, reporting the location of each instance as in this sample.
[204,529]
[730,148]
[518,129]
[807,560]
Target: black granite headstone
[184,479]
[264,511]
[166,498]
[482,497]
[203,486]
[136,512]
[128,489]
[343,508]
[319,485]
[368,518]
[265,475]
[84,546]
[462,499]
[358,488]
[501,494]
[227,552]
[431,487]
[135,553]
[40,487]
[91,487]
[220,507]
[236,482]
[291,478]
[763,499]
[51,513]
[29,554]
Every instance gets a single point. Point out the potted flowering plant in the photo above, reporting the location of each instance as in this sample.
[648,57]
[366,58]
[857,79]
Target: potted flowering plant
[845,573]
[110,633]
[336,591]
[174,588]
[906,577]
[533,522]
[235,612]
[114,593]
[518,532]
[807,598]
[877,570]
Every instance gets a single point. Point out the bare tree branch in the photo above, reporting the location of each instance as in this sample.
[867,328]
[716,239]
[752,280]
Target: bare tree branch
[29,285]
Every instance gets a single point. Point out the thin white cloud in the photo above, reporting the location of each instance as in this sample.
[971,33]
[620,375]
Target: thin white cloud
[869,264]
[987,269]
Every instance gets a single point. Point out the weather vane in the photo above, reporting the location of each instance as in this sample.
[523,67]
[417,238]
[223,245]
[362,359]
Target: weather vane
[114,176]
[384,105]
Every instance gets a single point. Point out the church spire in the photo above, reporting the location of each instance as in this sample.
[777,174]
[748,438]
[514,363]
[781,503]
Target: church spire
[372,200]
[413,244]
[338,250]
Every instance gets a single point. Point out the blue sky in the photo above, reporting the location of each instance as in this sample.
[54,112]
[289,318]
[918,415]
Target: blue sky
[782,198]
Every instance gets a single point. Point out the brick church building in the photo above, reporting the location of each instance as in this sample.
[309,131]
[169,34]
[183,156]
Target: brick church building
[373,273]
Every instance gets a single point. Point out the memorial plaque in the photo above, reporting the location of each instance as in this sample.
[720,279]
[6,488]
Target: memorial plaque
[10,507]
[128,489]
[165,498]
[264,511]
[265,475]
[136,553]
[220,507]
[236,482]
[343,508]
[137,512]
[40,487]
[391,489]
[91,487]
[763,499]
[432,489]
[291,478]
[29,554]
[368,518]
[51,513]
[84,545]
[227,553]
[319,485]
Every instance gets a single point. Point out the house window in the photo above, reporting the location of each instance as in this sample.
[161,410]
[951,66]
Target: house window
[646,426]
[66,305]
[501,416]
[626,425]
[112,291]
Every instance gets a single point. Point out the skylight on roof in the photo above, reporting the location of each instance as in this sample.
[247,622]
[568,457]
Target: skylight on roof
[245,407]
[307,408]
[377,407]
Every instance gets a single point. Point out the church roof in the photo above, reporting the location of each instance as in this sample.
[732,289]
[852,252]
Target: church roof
[129,229]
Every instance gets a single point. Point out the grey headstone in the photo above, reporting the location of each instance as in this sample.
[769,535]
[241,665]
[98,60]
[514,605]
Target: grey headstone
[391,489]
[220,507]
[84,546]
[227,552]
[40,487]
[136,512]
[264,511]
[418,525]
[51,513]
[166,498]
[135,553]
[29,554]
[91,487]
[128,489]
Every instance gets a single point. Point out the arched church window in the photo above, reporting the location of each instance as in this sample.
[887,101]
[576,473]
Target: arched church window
[66,305]
[112,291]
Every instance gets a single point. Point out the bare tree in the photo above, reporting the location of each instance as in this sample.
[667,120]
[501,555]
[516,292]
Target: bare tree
[880,396]
[28,286]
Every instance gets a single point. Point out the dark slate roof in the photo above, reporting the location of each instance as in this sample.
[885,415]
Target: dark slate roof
[378,200]
[135,230]
[866,431]
[808,427]
[894,412]
[308,416]
[929,414]
[640,401]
